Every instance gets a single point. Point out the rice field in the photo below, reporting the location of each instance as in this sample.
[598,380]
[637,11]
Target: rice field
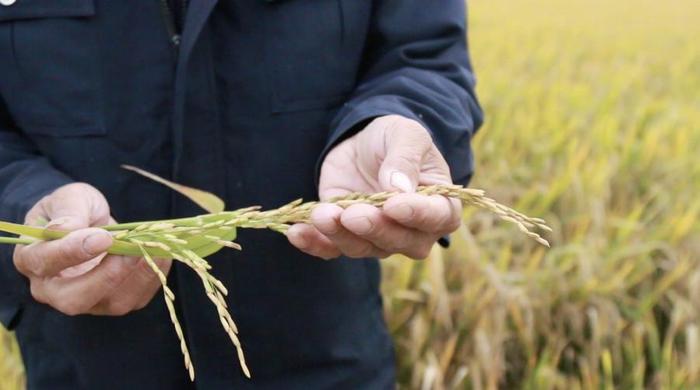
[593,122]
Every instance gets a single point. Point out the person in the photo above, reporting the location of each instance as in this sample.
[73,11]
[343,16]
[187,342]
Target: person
[260,102]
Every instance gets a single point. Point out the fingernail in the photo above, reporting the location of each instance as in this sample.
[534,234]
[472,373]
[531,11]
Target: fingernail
[327,225]
[400,181]
[96,243]
[56,223]
[329,228]
[403,211]
[360,225]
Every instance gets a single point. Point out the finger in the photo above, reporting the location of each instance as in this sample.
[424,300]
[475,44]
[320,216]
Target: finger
[48,258]
[75,206]
[309,240]
[326,218]
[86,266]
[433,214]
[135,292]
[81,268]
[405,151]
[370,223]
[73,296]
[331,184]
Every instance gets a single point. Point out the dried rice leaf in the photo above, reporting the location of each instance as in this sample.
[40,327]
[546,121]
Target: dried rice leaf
[205,200]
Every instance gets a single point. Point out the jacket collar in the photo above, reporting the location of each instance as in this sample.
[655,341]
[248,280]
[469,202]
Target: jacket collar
[197,14]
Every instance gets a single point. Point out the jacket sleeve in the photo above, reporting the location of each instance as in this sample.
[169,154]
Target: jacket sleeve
[25,177]
[417,65]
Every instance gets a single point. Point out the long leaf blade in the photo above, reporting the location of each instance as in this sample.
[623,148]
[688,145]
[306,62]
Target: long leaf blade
[203,199]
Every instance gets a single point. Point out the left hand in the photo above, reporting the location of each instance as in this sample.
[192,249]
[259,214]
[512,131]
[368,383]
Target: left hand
[392,153]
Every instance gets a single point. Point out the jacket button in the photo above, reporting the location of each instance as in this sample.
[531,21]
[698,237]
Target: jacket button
[7,2]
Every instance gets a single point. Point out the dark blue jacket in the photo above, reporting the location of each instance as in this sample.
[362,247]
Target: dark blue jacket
[246,106]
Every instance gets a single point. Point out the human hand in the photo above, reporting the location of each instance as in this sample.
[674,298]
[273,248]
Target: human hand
[392,153]
[74,274]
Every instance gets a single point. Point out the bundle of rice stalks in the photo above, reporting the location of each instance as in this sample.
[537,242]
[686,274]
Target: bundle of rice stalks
[191,240]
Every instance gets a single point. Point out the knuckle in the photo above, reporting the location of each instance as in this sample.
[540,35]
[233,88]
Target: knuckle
[317,252]
[442,218]
[405,160]
[119,307]
[328,253]
[391,248]
[375,232]
[69,310]
[382,254]
[36,265]
[20,261]
[453,225]
[400,242]
[449,226]
[37,292]
[70,307]
[420,133]
[422,218]
[446,222]
[312,251]
[141,305]
[66,250]
[327,226]
[79,187]
[406,124]
[113,276]
[445,217]
[420,252]
[406,239]
[390,122]
[359,250]
[35,211]
[145,272]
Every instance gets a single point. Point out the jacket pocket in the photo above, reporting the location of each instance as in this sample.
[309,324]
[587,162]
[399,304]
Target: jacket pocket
[311,54]
[51,80]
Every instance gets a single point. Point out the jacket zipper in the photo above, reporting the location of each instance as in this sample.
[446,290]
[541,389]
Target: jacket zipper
[170,23]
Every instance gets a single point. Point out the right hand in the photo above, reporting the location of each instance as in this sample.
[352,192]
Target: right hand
[74,275]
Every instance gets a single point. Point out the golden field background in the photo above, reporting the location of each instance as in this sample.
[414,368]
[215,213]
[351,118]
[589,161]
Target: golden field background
[593,122]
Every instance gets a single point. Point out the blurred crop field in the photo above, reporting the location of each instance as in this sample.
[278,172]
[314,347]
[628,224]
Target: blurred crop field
[593,122]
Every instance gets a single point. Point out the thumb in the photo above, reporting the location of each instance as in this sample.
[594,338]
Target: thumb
[401,168]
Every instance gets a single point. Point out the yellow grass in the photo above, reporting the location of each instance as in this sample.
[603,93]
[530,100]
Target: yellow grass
[11,371]
[593,123]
